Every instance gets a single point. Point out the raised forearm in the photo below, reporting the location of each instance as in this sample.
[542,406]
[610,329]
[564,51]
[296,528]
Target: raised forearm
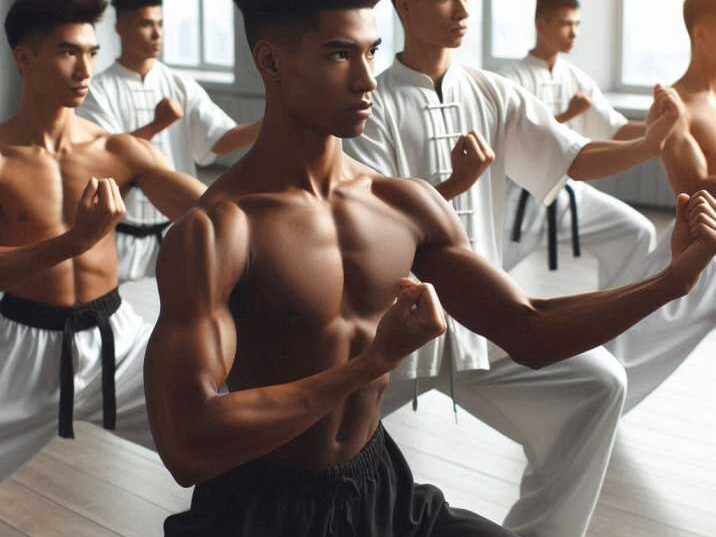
[149,131]
[20,264]
[564,327]
[237,138]
[537,333]
[173,193]
[223,431]
[631,131]
[452,187]
[602,158]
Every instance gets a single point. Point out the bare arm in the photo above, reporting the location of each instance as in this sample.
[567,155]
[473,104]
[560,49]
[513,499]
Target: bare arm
[602,158]
[241,136]
[538,332]
[166,113]
[201,433]
[173,193]
[631,131]
[686,163]
[99,210]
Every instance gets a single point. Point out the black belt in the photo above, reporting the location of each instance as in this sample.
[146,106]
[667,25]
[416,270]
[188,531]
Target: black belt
[551,225]
[142,232]
[69,321]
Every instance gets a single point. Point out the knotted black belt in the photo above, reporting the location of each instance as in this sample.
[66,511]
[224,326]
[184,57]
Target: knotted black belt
[69,321]
[551,225]
[142,232]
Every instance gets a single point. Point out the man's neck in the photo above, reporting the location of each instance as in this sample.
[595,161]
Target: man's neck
[545,53]
[427,59]
[292,155]
[700,76]
[139,65]
[37,123]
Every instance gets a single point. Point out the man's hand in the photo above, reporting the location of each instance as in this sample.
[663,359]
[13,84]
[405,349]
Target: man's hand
[693,242]
[663,115]
[579,104]
[470,157]
[413,320]
[167,112]
[98,212]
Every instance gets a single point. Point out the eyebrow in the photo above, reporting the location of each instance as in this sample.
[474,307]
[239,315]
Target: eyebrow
[347,44]
[76,47]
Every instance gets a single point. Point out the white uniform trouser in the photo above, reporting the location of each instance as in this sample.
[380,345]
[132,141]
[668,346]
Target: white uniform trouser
[137,257]
[654,348]
[30,391]
[565,417]
[616,234]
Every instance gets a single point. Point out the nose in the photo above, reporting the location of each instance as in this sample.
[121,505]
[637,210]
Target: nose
[365,82]
[461,11]
[156,32]
[83,69]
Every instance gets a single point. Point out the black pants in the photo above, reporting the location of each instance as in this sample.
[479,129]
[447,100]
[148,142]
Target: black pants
[371,496]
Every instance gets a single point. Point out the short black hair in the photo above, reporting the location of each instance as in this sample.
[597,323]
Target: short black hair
[260,15]
[547,7]
[28,18]
[133,5]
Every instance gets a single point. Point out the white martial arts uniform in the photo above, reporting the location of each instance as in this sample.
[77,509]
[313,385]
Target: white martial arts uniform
[565,416]
[30,391]
[120,101]
[616,234]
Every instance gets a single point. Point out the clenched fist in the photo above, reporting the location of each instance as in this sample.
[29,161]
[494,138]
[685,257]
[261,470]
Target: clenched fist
[98,212]
[167,112]
[413,320]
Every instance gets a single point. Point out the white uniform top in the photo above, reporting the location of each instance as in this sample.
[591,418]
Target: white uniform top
[557,87]
[120,101]
[411,133]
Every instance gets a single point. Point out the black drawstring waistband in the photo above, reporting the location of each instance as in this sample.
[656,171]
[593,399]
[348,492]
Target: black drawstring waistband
[69,321]
[142,232]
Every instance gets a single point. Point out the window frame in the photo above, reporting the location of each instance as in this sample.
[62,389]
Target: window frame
[210,74]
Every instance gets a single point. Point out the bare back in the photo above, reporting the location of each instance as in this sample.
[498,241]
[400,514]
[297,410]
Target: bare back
[39,193]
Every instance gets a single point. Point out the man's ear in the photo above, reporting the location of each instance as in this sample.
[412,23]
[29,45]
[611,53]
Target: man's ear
[268,60]
[23,57]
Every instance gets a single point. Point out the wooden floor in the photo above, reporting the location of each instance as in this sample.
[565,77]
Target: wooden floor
[661,482]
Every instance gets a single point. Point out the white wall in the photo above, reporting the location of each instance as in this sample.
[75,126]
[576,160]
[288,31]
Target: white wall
[597,48]
[9,78]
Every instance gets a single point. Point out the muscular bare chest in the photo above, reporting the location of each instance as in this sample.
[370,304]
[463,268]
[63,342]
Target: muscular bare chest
[39,192]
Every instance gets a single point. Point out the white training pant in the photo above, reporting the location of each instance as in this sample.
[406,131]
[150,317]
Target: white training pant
[136,257]
[654,348]
[565,417]
[30,388]
[617,235]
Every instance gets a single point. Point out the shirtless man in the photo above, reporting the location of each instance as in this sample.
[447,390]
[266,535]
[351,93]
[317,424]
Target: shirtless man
[65,334]
[275,287]
[657,346]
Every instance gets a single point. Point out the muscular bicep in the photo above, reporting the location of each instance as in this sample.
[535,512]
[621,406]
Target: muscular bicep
[685,162]
[192,349]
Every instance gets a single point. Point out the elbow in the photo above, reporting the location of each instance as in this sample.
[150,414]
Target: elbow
[531,347]
[184,467]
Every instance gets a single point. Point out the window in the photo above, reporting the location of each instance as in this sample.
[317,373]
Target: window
[653,50]
[199,38]
[511,30]
[391,32]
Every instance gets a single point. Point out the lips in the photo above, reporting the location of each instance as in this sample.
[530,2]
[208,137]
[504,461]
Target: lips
[362,109]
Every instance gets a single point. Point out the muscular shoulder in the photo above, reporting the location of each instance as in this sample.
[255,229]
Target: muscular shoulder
[204,255]
[433,218]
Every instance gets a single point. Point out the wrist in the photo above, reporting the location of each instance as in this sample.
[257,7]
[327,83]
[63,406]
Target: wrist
[75,243]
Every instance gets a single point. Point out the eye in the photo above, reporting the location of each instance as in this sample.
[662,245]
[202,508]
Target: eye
[340,55]
[372,53]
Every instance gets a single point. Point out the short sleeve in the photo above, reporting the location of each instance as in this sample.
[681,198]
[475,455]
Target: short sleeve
[207,123]
[538,149]
[601,121]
